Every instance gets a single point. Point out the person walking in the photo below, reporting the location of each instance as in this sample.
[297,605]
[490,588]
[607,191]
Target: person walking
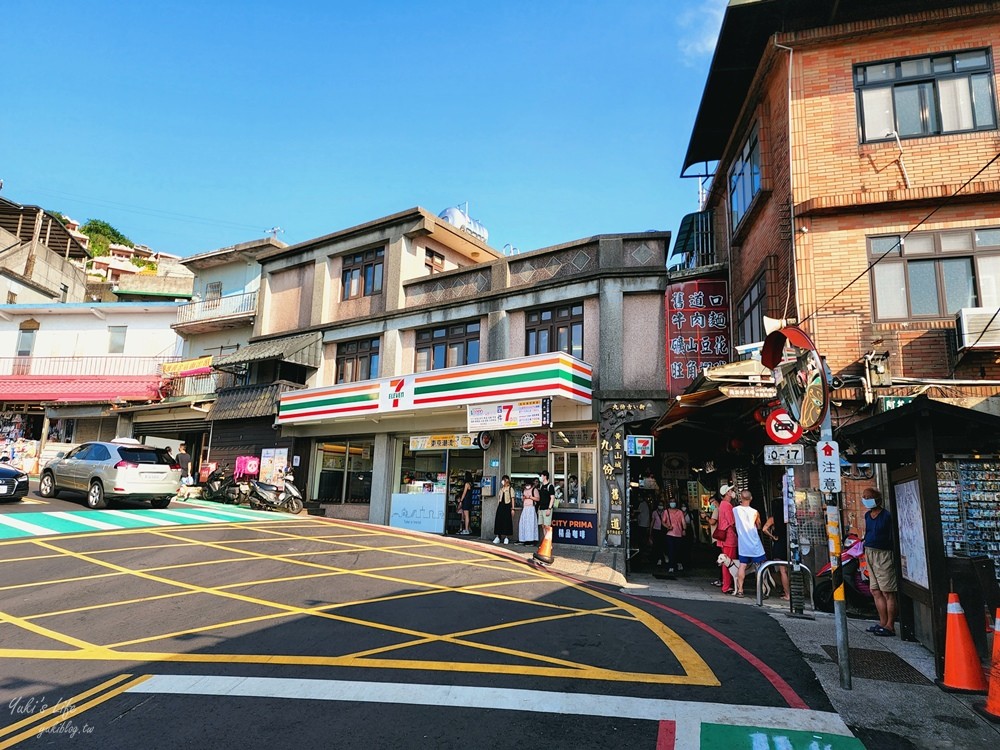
[465,503]
[184,461]
[776,530]
[725,526]
[881,566]
[545,494]
[658,533]
[503,524]
[527,527]
[676,525]
[751,549]
[644,517]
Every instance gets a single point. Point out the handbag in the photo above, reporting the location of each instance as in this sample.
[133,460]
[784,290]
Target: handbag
[719,534]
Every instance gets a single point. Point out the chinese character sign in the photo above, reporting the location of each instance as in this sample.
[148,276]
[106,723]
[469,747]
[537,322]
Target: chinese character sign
[697,315]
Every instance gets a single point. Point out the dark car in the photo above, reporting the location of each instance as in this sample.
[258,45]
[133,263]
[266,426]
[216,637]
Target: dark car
[13,483]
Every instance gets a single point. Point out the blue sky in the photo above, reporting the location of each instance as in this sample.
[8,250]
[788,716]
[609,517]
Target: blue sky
[195,125]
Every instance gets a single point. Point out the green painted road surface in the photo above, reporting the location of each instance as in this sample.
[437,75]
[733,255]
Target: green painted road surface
[21,525]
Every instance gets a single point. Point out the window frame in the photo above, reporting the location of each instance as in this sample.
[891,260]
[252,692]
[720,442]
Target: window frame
[746,178]
[757,294]
[433,261]
[438,342]
[361,355]
[975,252]
[927,86]
[116,345]
[551,321]
[362,273]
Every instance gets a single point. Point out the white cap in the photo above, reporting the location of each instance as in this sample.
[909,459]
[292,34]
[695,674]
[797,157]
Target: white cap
[725,489]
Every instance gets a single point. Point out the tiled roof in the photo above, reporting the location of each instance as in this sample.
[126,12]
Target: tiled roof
[250,401]
[303,349]
[46,388]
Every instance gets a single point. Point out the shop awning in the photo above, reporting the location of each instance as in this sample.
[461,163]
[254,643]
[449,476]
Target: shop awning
[249,402]
[302,349]
[744,381]
[955,429]
[93,388]
[557,376]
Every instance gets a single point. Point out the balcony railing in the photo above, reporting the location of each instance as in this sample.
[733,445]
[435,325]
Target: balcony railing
[220,307]
[695,245]
[83,366]
[202,385]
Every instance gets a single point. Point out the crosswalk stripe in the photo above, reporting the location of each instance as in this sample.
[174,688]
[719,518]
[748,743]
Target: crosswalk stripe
[84,519]
[30,528]
[151,520]
[184,515]
[246,515]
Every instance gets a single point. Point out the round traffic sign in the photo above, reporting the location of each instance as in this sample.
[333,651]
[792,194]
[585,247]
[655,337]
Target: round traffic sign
[781,428]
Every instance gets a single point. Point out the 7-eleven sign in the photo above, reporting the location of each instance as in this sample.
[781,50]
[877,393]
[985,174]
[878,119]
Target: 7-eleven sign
[397,393]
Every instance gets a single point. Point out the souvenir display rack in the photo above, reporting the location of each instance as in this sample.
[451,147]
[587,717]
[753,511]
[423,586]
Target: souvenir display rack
[969,494]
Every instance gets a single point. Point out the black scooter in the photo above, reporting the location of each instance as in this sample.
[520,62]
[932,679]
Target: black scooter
[270,497]
[221,487]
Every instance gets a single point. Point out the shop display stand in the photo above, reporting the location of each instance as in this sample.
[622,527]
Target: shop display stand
[969,493]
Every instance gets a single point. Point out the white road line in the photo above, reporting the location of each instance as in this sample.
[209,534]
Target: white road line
[147,519]
[536,701]
[202,518]
[9,520]
[244,516]
[83,519]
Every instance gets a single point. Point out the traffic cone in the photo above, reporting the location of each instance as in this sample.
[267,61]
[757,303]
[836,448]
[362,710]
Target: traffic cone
[544,552]
[962,671]
[991,709]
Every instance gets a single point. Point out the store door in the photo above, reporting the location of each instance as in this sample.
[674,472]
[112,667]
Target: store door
[575,520]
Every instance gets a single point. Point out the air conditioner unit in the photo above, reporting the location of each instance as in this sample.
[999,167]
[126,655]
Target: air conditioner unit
[978,328]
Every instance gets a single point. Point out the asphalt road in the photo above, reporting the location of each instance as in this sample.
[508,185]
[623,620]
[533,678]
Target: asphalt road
[265,630]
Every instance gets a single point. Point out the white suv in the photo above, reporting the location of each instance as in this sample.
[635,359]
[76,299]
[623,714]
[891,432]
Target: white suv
[119,469]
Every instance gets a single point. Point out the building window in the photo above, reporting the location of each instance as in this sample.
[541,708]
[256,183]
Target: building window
[116,339]
[447,346]
[744,178]
[25,341]
[949,93]
[555,329]
[433,262]
[750,313]
[934,274]
[363,273]
[11,298]
[357,360]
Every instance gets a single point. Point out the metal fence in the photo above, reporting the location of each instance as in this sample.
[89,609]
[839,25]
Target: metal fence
[220,307]
[82,366]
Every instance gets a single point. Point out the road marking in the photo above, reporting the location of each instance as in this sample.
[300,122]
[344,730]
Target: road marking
[18,525]
[72,708]
[81,518]
[534,701]
[59,707]
[150,520]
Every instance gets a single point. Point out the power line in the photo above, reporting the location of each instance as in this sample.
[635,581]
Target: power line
[899,242]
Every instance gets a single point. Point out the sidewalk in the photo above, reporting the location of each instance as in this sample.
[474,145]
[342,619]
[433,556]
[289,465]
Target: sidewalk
[893,704]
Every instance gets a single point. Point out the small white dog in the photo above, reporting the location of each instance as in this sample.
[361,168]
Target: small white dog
[765,581]
[733,565]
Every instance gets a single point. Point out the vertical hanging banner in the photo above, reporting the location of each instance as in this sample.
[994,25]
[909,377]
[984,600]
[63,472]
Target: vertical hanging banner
[697,324]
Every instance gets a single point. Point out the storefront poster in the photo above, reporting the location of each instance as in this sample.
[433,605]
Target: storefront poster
[912,547]
[512,415]
[461,441]
[418,511]
[574,528]
[272,465]
[697,317]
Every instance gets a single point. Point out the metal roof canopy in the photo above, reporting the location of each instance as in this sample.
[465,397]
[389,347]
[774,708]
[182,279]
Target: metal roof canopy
[302,349]
[955,429]
[705,392]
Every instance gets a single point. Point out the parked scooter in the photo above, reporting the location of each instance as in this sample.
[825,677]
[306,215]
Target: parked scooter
[221,487]
[854,565]
[270,497]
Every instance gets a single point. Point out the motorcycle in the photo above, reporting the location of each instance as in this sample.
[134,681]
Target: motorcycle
[857,592]
[264,496]
[221,488]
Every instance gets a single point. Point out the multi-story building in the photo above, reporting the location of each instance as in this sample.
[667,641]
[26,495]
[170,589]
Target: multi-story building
[439,355]
[850,150]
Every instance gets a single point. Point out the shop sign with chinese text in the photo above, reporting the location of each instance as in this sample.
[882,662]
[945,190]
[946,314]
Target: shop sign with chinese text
[536,412]
[697,324]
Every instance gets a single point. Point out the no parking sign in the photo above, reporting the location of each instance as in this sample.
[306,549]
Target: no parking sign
[781,428]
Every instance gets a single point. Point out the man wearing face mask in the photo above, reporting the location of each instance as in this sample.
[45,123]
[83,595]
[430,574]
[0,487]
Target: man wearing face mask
[881,567]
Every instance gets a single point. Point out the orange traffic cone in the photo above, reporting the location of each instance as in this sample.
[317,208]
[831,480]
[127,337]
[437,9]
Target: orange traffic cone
[991,709]
[962,671]
[544,552]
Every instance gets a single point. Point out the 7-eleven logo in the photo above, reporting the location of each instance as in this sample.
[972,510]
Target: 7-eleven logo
[396,392]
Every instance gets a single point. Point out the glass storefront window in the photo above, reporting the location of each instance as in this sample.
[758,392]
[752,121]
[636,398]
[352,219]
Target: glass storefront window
[345,472]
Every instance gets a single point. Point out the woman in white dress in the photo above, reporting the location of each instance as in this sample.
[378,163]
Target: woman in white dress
[527,527]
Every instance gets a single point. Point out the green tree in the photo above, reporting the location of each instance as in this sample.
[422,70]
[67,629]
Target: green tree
[96,228]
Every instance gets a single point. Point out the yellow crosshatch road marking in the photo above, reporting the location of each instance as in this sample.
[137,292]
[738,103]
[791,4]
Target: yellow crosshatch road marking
[396,564]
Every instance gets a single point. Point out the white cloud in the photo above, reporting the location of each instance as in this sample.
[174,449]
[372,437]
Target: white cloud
[699,29]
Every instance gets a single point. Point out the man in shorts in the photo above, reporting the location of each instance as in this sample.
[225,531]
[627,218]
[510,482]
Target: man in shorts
[881,566]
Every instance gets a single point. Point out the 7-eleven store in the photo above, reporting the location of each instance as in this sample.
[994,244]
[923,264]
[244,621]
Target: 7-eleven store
[399,447]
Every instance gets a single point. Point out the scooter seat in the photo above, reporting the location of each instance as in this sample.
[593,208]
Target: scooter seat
[267,487]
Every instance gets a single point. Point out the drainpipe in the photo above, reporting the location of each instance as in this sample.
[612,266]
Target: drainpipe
[791,185]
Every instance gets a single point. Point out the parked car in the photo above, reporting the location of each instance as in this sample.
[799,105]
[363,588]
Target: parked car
[13,483]
[122,468]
